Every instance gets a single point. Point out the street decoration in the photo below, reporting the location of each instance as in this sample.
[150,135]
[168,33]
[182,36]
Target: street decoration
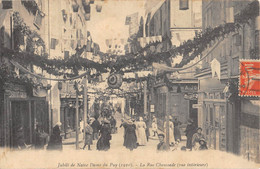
[114,81]
[140,60]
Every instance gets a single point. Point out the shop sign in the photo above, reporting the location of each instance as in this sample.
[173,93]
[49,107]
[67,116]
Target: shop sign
[196,106]
[16,94]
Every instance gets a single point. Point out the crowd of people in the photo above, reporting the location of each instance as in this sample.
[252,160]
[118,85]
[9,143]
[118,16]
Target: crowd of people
[136,133]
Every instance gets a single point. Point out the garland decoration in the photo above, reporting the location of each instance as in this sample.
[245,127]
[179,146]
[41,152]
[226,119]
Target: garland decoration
[140,60]
[9,76]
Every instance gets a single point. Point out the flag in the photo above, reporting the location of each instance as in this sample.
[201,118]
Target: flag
[109,42]
[215,68]
[230,15]
[127,20]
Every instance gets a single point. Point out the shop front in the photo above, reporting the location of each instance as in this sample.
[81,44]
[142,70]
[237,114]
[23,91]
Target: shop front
[213,112]
[21,114]
[250,130]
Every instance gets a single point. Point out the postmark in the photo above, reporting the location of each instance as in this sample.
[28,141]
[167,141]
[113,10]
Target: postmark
[249,79]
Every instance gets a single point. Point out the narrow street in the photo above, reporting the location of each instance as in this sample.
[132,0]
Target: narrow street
[117,141]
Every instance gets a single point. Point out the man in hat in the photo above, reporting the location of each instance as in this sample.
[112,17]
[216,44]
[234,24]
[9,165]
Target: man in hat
[196,138]
[162,146]
[190,130]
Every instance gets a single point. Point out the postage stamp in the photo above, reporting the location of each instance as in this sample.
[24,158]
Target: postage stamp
[249,80]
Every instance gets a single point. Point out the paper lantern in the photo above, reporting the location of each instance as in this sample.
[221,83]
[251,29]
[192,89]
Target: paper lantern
[75,6]
[59,85]
[114,81]
[184,4]
[85,2]
[87,8]
[87,16]
[98,8]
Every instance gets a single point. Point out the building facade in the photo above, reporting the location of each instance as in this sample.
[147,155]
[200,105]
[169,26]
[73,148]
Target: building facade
[24,108]
[223,114]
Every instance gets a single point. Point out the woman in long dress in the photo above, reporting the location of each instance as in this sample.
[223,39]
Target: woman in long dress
[141,135]
[104,140]
[171,131]
[130,136]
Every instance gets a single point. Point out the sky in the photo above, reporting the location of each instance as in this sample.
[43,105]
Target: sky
[110,22]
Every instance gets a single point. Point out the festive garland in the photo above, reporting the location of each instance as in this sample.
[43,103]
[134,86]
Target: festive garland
[139,60]
[9,76]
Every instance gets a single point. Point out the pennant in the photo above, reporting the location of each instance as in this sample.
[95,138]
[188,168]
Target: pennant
[127,20]
[215,68]
[230,15]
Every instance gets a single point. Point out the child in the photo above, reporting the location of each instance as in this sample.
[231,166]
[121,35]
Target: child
[88,136]
[162,146]
[203,144]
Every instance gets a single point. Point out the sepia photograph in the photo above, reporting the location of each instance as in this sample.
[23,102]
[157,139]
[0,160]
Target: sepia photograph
[129,84]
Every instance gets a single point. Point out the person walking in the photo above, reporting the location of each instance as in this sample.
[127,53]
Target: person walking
[147,132]
[171,131]
[141,136]
[55,142]
[190,130]
[96,128]
[177,132]
[88,136]
[130,136]
[154,126]
[196,138]
[104,140]
[124,124]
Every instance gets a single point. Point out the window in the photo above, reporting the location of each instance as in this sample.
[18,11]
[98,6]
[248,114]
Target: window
[38,19]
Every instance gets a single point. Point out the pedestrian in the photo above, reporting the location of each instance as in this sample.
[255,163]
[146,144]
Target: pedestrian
[177,133]
[162,146]
[113,124]
[104,140]
[130,136]
[147,132]
[141,136]
[96,128]
[40,137]
[203,144]
[190,130]
[196,138]
[123,124]
[171,131]
[55,142]
[88,136]
[154,126]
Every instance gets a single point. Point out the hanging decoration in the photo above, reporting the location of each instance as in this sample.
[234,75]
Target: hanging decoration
[114,81]
[141,59]
[75,6]
[98,7]
[215,68]
[184,4]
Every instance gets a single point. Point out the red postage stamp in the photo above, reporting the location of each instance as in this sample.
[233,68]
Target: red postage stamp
[249,80]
